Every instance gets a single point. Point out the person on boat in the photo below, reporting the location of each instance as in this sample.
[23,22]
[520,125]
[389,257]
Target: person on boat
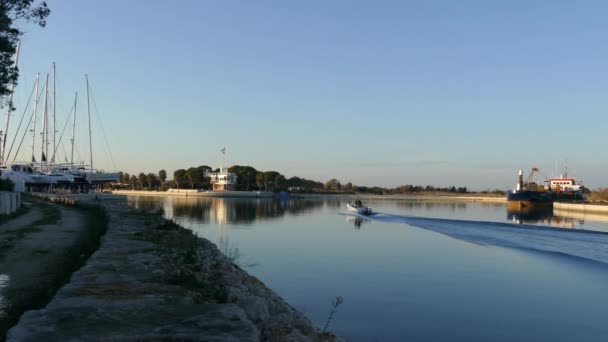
[358,203]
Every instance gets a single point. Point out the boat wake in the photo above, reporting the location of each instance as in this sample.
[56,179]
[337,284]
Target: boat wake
[580,243]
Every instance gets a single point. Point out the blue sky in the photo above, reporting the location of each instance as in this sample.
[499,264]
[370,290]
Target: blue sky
[372,92]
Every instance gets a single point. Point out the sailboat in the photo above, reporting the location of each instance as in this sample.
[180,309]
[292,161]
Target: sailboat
[47,173]
[90,174]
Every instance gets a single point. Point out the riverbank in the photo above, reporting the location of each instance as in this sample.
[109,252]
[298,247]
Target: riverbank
[154,280]
[40,248]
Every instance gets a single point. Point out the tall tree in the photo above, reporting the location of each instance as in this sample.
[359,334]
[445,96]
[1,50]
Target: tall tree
[11,12]
[332,184]
[259,180]
[151,180]
[269,179]
[133,181]
[179,176]
[162,175]
[246,176]
[141,178]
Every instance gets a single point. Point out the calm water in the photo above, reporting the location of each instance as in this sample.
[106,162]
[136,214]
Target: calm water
[414,280]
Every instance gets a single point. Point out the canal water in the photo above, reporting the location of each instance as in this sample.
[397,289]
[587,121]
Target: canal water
[417,270]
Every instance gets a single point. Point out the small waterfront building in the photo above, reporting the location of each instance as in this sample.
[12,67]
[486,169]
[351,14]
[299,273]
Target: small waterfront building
[222,180]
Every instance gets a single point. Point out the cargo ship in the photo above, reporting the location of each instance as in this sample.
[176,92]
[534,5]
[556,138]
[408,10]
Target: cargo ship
[530,195]
[567,189]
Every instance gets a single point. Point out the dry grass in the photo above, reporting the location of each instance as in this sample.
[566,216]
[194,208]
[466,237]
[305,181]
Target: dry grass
[599,195]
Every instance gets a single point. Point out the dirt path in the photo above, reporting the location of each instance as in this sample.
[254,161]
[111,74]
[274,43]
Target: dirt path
[38,252]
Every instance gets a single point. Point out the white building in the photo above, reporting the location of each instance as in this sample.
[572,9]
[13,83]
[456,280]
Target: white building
[222,180]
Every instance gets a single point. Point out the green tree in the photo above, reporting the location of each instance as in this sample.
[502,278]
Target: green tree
[179,176]
[124,179]
[162,175]
[259,180]
[132,181]
[141,178]
[332,184]
[204,179]
[280,182]
[152,181]
[246,176]
[269,179]
[11,12]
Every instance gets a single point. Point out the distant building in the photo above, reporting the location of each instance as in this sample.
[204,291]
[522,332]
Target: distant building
[222,180]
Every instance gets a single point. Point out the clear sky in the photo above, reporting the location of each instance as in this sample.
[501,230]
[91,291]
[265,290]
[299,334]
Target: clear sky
[382,93]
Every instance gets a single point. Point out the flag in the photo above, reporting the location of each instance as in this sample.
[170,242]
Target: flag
[223,150]
[43,157]
[33,159]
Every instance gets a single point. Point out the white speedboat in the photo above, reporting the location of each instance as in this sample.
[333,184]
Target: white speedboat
[359,208]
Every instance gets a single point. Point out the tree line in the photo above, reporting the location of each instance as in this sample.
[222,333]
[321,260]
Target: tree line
[248,179]
[251,179]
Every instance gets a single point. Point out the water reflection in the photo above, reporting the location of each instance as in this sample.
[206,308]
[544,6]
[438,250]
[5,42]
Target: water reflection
[418,204]
[357,221]
[545,217]
[4,280]
[228,210]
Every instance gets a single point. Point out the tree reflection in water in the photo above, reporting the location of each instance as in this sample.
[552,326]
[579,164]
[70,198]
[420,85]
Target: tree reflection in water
[224,210]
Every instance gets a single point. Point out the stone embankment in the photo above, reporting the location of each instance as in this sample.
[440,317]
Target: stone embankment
[154,280]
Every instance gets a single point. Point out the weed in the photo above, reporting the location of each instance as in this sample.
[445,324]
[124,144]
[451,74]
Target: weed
[334,308]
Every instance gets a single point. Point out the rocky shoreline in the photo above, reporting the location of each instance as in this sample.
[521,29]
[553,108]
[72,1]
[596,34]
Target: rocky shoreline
[152,279]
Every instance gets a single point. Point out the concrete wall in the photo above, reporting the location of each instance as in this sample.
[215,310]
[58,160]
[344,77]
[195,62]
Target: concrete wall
[588,208]
[9,202]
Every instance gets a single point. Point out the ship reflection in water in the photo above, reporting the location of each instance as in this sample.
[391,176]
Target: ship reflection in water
[225,210]
[545,217]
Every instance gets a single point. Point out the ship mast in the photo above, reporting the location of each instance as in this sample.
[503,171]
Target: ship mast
[73,131]
[54,114]
[89,111]
[44,132]
[10,105]
[34,119]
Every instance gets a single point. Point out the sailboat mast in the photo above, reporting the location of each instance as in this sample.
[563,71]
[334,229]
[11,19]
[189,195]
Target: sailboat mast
[73,131]
[10,105]
[34,120]
[54,113]
[44,132]
[89,111]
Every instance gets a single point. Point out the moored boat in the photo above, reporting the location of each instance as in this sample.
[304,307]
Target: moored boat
[530,194]
[567,188]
